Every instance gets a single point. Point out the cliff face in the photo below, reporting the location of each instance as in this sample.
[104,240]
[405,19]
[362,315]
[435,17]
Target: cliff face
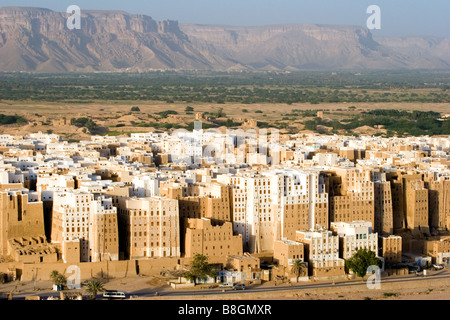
[33,39]
[38,40]
[420,52]
[289,46]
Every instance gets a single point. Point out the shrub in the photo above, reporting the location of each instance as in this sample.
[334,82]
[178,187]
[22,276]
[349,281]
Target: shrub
[4,119]
[165,114]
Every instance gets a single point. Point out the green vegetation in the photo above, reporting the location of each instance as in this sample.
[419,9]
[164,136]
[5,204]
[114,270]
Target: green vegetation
[191,126]
[394,122]
[263,125]
[5,119]
[415,123]
[304,113]
[87,124]
[299,267]
[361,261]
[228,123]
[57,278]
[166,113]
[185,88]
[200,268]
[214,115]
[389,294]
[115,133]
[94,287]
[230,87]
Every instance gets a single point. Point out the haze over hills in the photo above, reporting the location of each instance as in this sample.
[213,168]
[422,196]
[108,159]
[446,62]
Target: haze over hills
[37,40]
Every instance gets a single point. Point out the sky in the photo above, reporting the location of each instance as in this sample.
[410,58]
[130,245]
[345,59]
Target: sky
[398,17]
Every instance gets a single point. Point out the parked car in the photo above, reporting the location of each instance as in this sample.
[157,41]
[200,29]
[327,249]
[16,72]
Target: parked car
[226,285]
[239,286]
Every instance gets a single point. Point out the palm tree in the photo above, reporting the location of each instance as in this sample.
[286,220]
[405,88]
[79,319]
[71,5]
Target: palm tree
[57,278]
[298,267]
[93,287]
[53,275]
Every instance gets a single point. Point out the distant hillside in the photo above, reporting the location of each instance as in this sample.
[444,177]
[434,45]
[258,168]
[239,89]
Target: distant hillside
[37,40]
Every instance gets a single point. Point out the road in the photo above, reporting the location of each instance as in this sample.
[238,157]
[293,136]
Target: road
[442,274]
[252,289]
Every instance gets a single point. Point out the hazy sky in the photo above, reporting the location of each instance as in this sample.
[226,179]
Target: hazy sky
[398,17]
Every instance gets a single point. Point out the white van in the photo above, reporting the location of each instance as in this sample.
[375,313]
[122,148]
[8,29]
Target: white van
[226,285]
[113,294]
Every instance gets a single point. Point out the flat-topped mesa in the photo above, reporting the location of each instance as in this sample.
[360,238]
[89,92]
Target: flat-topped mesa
[106,41]
[106,20]
[30,11]
[38,40]
[120,20]
[30,19]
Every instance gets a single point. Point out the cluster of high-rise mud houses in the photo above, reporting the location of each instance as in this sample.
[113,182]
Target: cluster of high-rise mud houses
[255,203]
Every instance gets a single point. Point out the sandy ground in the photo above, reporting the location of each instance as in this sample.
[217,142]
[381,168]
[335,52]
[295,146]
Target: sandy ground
[46,117]
[423,290]
[54,108]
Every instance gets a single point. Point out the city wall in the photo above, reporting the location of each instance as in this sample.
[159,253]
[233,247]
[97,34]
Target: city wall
[30,272]
[106,269]
[90,270]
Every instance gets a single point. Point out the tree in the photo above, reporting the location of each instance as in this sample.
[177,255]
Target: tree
[200,268]
[298,267]
[135,109]
[220,113]
[94,287]
[166,113]
[6,119]
[57,278]
[53,275]
[361,261]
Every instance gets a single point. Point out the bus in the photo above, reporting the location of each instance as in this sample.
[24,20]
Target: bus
[113,294]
